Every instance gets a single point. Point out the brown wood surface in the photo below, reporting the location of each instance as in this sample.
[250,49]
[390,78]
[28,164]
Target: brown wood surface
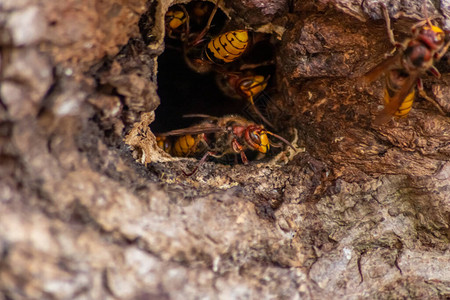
[91,209]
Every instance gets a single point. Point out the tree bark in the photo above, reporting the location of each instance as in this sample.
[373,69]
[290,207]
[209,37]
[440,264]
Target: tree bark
[91,208]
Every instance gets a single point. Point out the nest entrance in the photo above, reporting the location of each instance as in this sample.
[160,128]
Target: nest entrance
[183,91]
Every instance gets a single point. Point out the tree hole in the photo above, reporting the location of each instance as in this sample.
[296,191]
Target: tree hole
[199,73]
[184,91]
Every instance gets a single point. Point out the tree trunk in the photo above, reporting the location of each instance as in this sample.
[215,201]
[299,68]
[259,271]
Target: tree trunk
[91,208]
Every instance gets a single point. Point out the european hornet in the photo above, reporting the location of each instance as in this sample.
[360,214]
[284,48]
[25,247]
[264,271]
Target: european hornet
[175,19]
[246,86]
[403,69]
[181,19]
[222,136]
[222,49]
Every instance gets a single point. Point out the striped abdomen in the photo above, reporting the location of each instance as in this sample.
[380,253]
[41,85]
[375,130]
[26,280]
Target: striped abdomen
[175,18]
[406,105]
[252,86]
[395,79]
[186,145]
[227,47]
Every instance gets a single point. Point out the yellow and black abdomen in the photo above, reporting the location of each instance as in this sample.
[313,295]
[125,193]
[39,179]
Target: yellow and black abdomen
[252,86]
[406,105]
[394,82]
[227,47]
[186,145]
[175,18]
[181,146]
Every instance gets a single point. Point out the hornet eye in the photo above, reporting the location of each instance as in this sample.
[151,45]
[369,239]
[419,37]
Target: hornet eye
[246,84]
[255,138]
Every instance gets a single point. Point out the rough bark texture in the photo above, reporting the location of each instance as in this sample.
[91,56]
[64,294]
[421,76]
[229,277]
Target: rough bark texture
[90,208]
